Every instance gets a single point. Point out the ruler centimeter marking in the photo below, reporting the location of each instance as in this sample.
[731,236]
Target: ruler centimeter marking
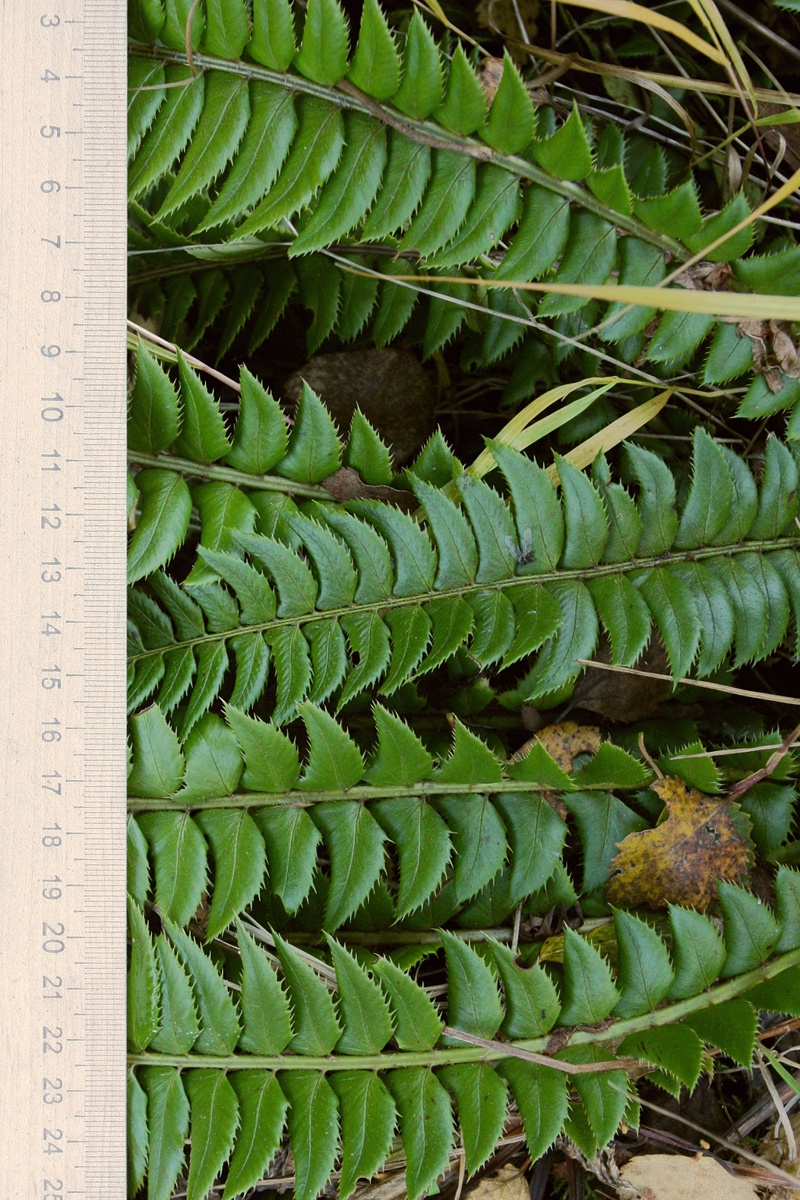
[63,96]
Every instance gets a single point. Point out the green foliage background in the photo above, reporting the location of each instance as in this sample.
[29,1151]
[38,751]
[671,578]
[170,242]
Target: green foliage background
[338,868]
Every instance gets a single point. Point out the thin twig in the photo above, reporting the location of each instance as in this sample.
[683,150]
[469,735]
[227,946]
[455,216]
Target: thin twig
[188,36]
[735,750]
[770,766]
[544,1060]
[701,683]
[462,1174]
[774,1031]
[517,924]
[143,332]
[645,753]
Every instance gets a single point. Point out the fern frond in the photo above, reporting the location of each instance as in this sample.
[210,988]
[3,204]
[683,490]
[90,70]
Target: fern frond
[236,795]
[320,907]
[559,1042]
[557,162]
[175,434]
[389,148]
[375,597]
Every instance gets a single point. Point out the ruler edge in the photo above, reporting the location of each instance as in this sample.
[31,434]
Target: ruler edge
[86,1115]
[105,398]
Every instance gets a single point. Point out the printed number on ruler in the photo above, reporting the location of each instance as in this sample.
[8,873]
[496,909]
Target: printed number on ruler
[58,251]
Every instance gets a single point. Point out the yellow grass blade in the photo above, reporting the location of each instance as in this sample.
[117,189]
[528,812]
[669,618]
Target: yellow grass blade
[711,87]
[790,117]
[562,416]
[484,463]
[523,429]
[648,16]
[783,193]
[711,17]
[618,431]
[515,431]
[435,9]
[736,305]
[538,430]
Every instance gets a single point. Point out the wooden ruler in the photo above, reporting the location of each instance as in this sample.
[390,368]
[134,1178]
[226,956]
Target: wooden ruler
[62,599]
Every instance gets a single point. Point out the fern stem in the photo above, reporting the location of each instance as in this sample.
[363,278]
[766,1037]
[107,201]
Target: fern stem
[261,483]
[399,937]
[671,1014]
[426,133]
[298,799]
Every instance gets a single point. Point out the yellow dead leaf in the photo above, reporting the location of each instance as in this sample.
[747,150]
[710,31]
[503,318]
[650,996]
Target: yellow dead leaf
[673,1177]
[739,305]
[703,839]
[653,18]
[564,742]
[507,1184]
[602,937]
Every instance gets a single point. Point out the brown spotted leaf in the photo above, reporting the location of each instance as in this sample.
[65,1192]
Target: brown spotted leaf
[702,840]
[564,743]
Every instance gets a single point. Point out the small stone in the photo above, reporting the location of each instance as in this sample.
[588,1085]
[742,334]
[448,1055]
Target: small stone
[390,387]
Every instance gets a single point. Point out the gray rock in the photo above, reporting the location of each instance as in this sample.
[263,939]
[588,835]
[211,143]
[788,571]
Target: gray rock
[390,387]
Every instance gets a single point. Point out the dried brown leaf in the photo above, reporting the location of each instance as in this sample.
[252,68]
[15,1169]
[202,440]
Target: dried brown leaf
[774,351]
[346,484]
[703,839]
[774,1147]
[564,742]
[673,1177]
[785,350]
[491,73]
[620,697]
[706,277]
[508,1184]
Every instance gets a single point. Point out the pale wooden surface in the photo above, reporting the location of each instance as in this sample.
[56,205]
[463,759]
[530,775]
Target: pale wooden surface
[85,47]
